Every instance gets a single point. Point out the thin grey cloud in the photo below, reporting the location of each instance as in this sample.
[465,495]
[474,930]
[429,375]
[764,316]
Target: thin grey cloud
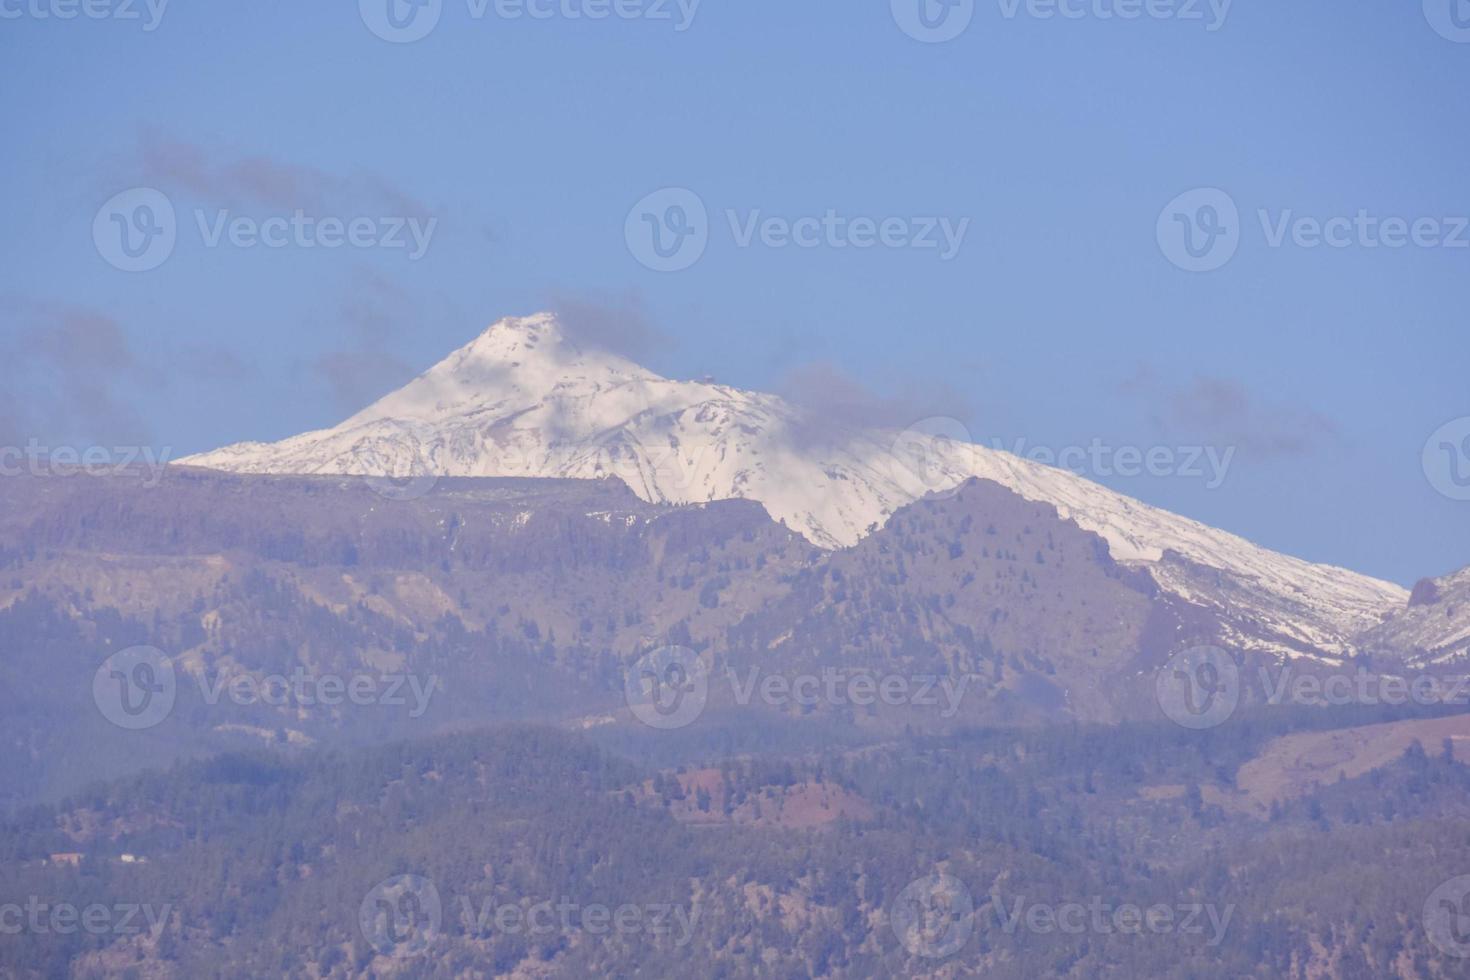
[372,314]
[620,324]
[227,177]
[69,371]
[1224,411]
[832,400]
[213,364]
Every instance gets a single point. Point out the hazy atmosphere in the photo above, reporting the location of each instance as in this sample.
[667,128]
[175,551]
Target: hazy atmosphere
[528,133]
[677,488]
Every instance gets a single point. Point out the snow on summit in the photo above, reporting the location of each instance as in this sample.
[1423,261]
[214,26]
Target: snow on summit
[522,400]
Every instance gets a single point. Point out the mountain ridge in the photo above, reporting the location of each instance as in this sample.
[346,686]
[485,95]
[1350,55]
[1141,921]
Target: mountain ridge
[524,400]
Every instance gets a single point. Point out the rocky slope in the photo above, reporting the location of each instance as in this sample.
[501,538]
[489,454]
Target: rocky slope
[1433,627]
[521,400]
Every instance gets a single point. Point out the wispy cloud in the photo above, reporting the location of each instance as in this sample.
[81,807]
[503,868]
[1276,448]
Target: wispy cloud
[832,399]
[1223,411]
[619,323]
[212,364]
[374,311]
[227,177]
[68,367]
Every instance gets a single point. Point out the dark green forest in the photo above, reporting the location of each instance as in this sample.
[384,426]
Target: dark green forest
[263,860]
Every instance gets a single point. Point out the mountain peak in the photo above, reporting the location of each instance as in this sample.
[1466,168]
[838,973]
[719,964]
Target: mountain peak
[543,339]
[526,398]
[518,335]
[514,364]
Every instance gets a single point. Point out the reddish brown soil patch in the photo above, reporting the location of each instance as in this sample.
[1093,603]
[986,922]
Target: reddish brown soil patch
[802,805]
[1293,765]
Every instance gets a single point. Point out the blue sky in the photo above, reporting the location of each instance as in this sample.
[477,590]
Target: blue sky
[1060,320]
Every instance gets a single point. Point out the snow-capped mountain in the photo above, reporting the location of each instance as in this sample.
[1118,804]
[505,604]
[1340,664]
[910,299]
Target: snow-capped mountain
[1434,628]
[522,400]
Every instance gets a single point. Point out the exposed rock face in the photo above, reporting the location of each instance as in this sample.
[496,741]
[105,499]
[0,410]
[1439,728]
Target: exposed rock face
[1432,628]
[528,599]
[1426,593]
